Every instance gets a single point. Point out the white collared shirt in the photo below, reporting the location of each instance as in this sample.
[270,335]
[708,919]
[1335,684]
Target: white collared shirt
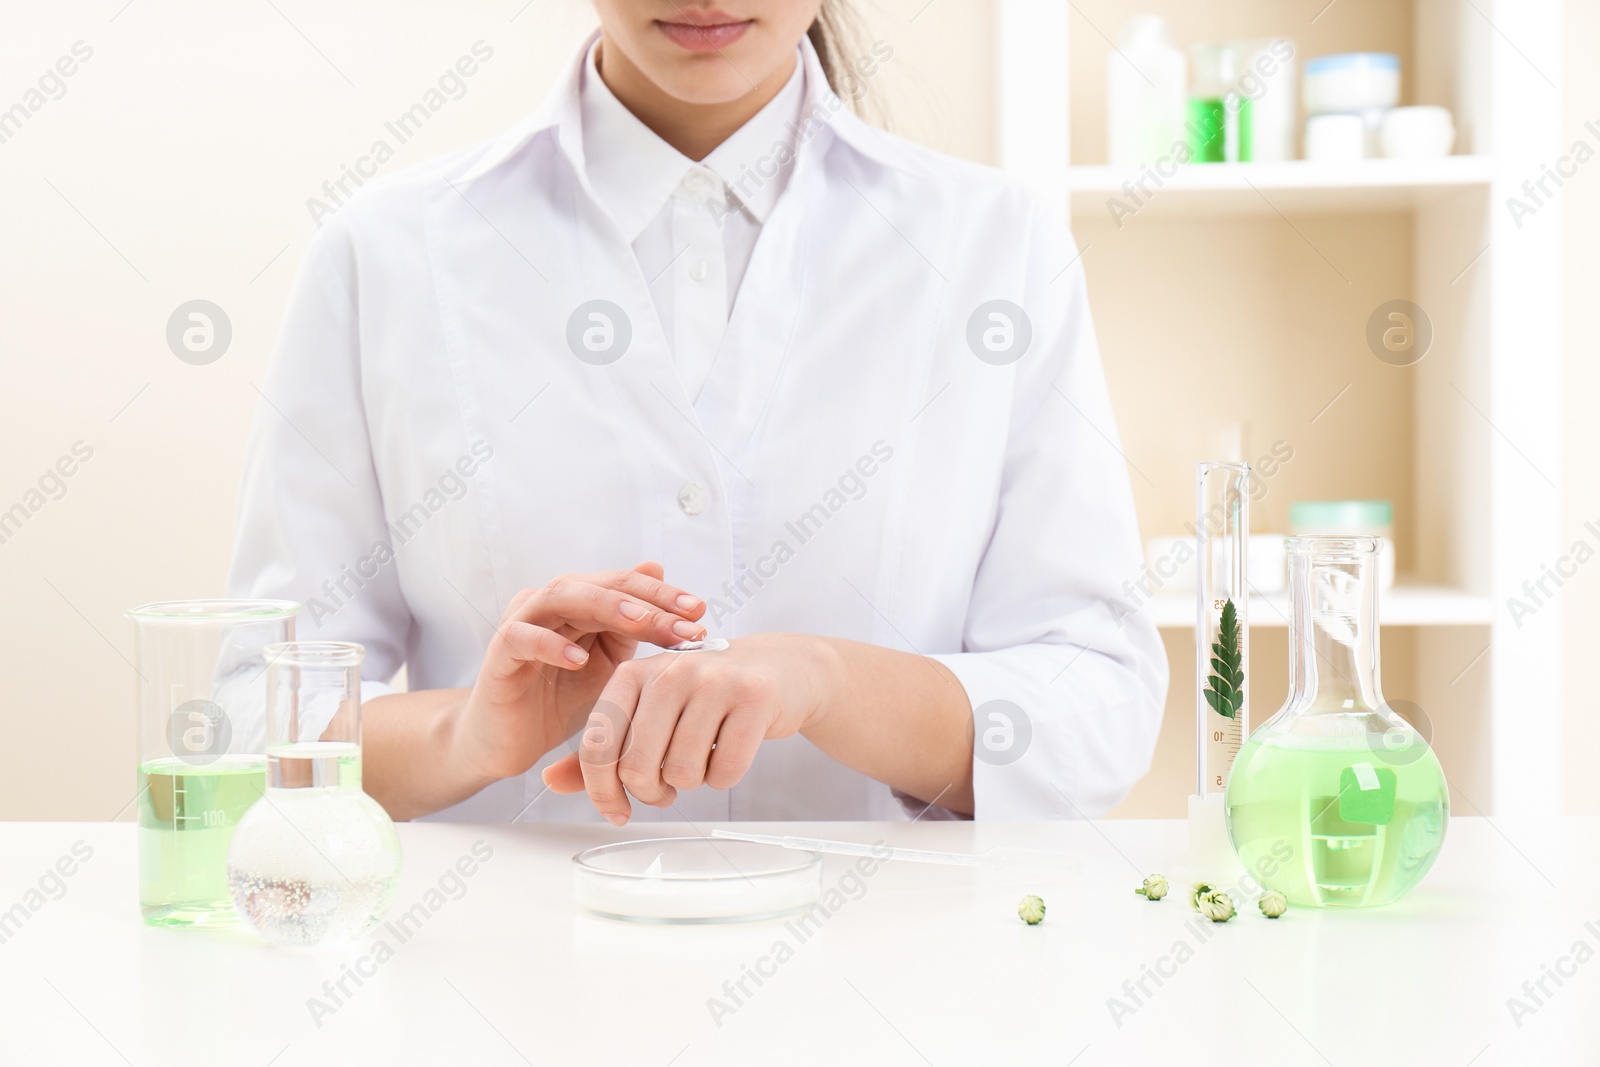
[907,441]
[692,225]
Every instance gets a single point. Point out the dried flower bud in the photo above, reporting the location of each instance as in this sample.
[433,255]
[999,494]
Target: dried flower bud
[1216,905]
[1273,903]
[1154,888]
[1031,910]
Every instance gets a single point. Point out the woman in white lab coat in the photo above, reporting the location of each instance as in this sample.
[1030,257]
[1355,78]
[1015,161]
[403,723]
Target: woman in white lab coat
[693,310]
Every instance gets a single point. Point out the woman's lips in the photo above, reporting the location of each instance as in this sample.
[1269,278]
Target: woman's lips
[704,38]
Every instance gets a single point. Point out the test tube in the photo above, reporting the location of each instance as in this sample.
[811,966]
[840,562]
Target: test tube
[1222,630]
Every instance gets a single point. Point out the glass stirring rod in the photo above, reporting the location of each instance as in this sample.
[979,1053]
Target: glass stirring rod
[1000,855]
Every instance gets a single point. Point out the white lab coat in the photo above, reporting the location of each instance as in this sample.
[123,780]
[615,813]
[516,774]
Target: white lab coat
[429,443]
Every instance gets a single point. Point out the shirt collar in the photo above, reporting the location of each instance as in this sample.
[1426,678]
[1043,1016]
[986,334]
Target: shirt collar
[631,170]
[561,116]
[755,161]
[634,172]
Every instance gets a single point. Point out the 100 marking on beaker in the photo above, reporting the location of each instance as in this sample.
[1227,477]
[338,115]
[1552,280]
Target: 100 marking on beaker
[187,813]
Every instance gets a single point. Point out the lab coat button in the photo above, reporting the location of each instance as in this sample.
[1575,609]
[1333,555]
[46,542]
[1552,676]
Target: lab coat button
[700,270]
[693,498]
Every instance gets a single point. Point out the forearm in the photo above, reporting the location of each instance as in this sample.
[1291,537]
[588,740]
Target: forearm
[412,760]
[898,717]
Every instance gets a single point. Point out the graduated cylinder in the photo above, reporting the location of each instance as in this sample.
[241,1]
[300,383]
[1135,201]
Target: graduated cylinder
[1222,624]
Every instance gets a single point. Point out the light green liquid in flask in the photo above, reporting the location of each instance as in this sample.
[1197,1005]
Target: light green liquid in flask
[1358,827]
[1336,801]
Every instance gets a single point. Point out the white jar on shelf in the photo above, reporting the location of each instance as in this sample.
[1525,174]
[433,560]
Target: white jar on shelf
[1352,83]
[1364,84]
[1349,518]
[1417,133]
[1336,139]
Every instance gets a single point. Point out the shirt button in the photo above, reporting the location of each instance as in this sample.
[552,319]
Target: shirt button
[700,270]
[693,498]
[695,181]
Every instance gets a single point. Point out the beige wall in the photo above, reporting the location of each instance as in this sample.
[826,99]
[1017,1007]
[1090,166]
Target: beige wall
[177,166]
[1580,446]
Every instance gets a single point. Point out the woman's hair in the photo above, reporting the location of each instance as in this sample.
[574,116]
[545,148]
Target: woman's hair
[834,35]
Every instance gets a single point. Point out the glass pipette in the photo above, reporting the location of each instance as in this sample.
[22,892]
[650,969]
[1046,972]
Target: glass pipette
[988,859]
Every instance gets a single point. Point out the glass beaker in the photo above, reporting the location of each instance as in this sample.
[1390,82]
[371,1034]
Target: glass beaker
[1336,800]
[201,701]
[317,860]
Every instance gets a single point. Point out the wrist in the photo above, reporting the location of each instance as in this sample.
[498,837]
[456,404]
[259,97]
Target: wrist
[823,662]
[471,761]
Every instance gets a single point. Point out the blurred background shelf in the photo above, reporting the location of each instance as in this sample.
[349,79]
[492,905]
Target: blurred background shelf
[1407,604]
[1241,311]
[1296,187]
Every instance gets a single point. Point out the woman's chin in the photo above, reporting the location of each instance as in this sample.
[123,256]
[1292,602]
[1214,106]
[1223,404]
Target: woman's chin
[703,80]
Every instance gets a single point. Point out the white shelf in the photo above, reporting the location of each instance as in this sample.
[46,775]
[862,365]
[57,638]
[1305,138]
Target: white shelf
[1478,404]
[1407,604]
[1268,188]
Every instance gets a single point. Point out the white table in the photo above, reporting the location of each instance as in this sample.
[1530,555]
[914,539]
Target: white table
[929,965]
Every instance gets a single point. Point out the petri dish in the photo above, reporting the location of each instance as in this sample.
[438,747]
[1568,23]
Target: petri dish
[695,880]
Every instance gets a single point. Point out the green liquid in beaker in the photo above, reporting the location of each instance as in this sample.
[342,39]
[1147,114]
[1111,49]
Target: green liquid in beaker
[1331,821]
[187,813]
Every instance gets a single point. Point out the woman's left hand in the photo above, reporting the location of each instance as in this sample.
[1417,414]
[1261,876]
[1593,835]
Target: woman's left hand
[681,720]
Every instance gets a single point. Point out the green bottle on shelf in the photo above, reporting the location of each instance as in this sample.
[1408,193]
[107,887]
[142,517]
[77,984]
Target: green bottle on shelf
[1205,122]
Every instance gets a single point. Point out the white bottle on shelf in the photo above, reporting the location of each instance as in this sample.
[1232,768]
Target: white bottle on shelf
[1267,87]
[1145,93]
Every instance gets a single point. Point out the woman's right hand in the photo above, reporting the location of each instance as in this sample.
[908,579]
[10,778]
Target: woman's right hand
[551,656]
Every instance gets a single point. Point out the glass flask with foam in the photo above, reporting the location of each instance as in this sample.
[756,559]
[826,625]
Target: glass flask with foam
[1336,801]
[201,741]
[317,860]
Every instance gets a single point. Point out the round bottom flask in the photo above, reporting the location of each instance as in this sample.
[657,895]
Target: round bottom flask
[316,860]
[1336,801]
